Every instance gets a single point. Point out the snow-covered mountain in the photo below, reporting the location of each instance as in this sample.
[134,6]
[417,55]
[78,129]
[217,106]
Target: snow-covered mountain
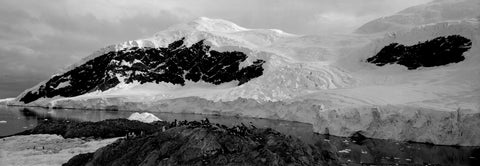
[342,84]
[433,12]
[230,62]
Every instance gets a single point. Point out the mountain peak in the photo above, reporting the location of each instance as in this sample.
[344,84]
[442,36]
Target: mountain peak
[209,25]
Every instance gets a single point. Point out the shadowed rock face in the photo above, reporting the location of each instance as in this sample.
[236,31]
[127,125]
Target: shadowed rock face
[437,52]
[174,64]
[202,143]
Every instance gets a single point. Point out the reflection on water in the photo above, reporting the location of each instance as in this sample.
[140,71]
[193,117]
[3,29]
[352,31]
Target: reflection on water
[354,152]
[376,151]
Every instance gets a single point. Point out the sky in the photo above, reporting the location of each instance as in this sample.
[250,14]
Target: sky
[39,38]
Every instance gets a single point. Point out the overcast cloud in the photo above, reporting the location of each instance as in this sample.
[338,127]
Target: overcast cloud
[40,37]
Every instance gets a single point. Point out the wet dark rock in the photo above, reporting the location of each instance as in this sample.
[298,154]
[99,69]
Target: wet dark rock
[327,152]
[437,52]
[358,137]
[80,159]
[174,64]
[104,129]
[203,143]
[474,159]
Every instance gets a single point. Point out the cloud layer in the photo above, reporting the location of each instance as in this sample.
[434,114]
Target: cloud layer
[39,38]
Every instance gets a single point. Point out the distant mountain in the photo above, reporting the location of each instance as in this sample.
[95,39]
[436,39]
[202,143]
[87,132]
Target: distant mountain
[433,12]
[411,76]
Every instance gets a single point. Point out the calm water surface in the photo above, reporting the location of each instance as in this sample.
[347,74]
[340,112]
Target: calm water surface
[366,152]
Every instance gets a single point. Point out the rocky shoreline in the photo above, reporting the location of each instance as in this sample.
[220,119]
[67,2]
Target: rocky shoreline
[109,128]
[185,143]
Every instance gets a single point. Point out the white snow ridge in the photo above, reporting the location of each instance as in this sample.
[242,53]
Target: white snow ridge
[322,80]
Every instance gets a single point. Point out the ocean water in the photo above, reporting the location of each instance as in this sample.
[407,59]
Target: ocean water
[354,152]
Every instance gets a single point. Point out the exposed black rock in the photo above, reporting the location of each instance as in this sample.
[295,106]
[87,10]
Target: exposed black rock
[437,52]
[79,160]
[174,64]
[203,143]
[103,129]
[358,137]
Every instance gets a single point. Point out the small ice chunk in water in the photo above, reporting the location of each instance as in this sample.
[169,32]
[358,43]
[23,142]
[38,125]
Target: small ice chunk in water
[345,151]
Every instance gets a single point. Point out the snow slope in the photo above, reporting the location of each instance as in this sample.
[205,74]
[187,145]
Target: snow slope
[322,80]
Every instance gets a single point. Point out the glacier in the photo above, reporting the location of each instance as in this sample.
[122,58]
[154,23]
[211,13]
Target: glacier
[323,80]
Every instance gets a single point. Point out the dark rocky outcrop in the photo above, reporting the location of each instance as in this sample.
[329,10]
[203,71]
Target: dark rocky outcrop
[358,137]
[174,64]
[437,52]
[203,143]
[103,129]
